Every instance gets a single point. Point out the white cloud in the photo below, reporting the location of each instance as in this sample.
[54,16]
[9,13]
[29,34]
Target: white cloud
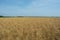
[38,3]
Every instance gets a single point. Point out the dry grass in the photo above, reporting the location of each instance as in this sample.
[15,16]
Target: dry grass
[29,28]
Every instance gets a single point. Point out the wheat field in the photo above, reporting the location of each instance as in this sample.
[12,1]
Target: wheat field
[29,28]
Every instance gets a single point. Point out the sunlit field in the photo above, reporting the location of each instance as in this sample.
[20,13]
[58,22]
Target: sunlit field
[29,28]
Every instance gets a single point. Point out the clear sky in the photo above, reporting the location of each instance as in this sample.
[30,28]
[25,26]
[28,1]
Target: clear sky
[30,7]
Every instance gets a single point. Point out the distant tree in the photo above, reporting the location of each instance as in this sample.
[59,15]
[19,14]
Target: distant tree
[1,16]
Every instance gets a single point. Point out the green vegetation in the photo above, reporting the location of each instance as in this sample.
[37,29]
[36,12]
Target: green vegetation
[31,16]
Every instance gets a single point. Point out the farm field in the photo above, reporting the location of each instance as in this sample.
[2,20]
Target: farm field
[29,28]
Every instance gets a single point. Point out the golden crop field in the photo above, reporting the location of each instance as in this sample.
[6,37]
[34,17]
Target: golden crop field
[29,28]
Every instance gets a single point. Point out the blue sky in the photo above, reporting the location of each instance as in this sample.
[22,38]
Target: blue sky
[30,7]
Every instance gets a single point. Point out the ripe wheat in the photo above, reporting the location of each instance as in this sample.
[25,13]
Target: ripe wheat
[29,28]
